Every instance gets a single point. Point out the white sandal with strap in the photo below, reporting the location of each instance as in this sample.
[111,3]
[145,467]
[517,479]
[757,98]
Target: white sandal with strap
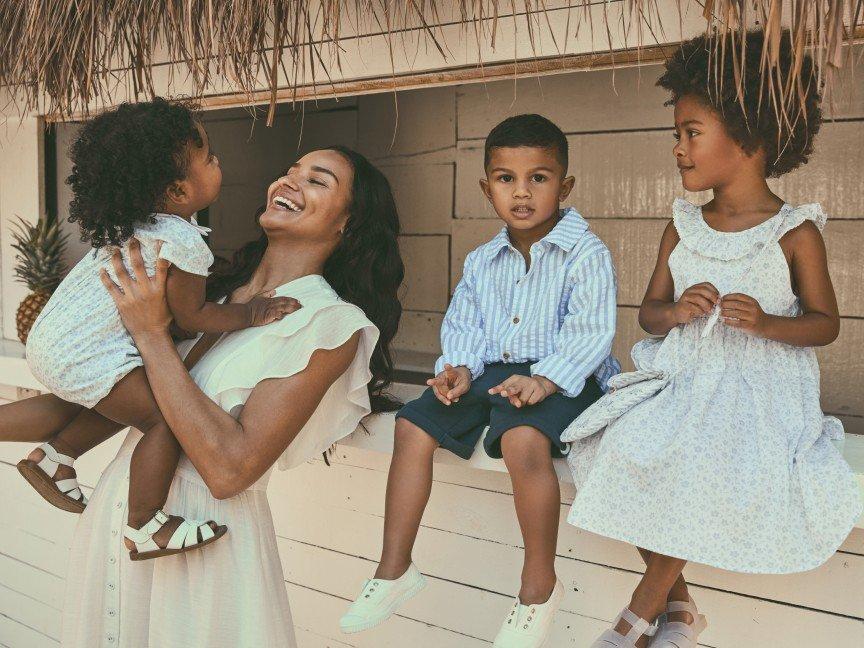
[189,535]
[614,639]
[677,634]
[64,494]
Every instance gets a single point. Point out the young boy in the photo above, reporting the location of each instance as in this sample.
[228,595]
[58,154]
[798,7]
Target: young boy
[526,348]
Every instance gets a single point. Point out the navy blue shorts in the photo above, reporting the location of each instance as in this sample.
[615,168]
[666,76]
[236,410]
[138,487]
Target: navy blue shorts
[458,426]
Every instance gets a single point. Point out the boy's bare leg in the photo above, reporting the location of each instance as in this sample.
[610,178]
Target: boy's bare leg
[409,485]
[537,495]
[154,459]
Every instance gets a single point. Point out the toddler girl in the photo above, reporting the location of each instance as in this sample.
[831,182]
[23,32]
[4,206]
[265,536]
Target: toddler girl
[717,450]
[140,174]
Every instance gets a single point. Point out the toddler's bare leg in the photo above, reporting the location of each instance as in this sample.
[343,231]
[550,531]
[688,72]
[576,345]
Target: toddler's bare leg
[154,459]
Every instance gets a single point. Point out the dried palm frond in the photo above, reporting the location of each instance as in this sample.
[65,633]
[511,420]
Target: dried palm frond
[61,57]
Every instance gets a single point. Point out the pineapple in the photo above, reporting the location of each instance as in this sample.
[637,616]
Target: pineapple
[39,264]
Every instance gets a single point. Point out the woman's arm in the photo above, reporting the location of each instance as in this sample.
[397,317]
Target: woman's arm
[229,454]
[232,454]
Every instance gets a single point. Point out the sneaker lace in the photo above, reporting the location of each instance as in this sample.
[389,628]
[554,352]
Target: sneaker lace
[372,586]
[522,617]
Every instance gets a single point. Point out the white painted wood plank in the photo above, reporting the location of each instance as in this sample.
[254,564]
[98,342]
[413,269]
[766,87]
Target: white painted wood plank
[18,605]
[321,610]
[592,590]
[16,635]
[470,516]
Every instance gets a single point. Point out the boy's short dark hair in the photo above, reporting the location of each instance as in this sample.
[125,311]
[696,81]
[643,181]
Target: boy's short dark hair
[694,71]
[123,162]
[527,130]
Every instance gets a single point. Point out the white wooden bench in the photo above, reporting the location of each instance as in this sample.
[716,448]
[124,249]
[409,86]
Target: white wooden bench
[376,432]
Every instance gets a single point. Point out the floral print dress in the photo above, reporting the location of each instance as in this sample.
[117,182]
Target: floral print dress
[733,463]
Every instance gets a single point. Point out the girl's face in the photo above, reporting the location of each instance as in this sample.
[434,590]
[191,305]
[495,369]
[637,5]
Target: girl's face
[311,200]
[707,157]
[204,176]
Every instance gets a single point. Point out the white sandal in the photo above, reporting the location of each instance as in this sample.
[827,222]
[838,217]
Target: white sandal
[614,639]
[64,494]
[677,634]
[189,535]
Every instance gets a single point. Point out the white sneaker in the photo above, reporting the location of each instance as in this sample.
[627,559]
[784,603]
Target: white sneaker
[380,599]
[528,626]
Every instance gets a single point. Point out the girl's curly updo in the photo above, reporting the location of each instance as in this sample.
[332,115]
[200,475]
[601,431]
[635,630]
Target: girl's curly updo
[701,69]
[123,162]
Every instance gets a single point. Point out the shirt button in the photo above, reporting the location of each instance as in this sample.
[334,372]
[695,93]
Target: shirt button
[111,586]
[112,560]
[516,320]
[113,532]
[111,612]
[110,638]
[506,356]
[120,504]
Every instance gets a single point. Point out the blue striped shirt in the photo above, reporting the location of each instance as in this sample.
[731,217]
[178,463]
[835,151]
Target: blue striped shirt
[559,315]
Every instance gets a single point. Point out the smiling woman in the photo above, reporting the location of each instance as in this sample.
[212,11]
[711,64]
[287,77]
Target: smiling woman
[231,415]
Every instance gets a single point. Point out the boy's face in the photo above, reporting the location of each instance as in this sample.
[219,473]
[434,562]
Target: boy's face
[707,157]
[525,185]
[200,188]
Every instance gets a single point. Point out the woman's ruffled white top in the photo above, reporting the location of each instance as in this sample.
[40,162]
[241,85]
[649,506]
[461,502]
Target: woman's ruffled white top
[732,463]
[231,593]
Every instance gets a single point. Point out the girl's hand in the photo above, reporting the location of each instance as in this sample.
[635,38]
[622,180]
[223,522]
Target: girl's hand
[449,385]
[264,309]
[697,301]
[525,390]
[743,312]
[142,302]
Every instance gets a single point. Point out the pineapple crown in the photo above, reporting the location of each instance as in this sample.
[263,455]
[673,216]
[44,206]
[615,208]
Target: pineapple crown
[40,247]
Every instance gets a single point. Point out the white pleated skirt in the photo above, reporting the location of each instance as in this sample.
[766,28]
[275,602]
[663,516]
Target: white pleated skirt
[231,593]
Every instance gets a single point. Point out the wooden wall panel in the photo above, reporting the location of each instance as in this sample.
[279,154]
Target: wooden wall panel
[426,277]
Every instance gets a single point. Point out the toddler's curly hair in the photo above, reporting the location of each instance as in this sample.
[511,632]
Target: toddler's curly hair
[123,162]
[700,69]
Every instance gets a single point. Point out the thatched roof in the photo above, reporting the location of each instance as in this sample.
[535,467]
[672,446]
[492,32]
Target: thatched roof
[66,56]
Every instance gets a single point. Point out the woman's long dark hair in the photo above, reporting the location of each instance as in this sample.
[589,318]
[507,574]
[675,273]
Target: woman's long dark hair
[365,269]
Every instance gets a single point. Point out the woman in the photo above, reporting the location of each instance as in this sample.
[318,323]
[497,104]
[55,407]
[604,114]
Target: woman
[276,394]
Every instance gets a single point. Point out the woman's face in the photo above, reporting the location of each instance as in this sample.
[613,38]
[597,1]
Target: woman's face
[311,200]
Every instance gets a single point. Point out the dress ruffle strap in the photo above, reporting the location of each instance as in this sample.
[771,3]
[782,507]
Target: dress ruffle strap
[702,239]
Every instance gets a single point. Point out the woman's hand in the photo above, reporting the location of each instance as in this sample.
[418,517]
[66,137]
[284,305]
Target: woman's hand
[142,302]
[697,301]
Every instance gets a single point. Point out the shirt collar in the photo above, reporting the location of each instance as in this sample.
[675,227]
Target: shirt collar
[566,232]
[193,221]
[204,231]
